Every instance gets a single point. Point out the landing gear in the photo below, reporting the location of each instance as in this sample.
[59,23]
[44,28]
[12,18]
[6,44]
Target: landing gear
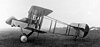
[23,38]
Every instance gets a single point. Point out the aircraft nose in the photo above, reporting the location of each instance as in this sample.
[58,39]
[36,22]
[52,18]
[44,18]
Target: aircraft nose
[9,20]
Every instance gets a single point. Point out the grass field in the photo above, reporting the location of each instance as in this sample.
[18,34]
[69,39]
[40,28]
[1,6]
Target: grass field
[10,38]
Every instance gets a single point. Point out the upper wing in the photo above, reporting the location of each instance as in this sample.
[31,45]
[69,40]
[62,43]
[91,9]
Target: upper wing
[39,11]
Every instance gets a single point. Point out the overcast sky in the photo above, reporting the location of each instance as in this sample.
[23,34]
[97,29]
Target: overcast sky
[68,11]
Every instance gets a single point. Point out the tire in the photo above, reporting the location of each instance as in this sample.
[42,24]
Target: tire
[23,38]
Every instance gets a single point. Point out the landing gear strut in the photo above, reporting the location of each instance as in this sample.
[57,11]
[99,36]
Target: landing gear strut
[24,37]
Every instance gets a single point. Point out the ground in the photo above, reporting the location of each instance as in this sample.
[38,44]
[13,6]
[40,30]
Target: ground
[10,38]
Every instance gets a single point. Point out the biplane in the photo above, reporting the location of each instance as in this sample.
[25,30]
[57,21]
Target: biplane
[34,22]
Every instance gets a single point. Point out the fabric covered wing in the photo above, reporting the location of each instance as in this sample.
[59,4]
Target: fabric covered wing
[39,11]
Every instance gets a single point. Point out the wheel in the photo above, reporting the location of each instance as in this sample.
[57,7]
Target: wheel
[23,38]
